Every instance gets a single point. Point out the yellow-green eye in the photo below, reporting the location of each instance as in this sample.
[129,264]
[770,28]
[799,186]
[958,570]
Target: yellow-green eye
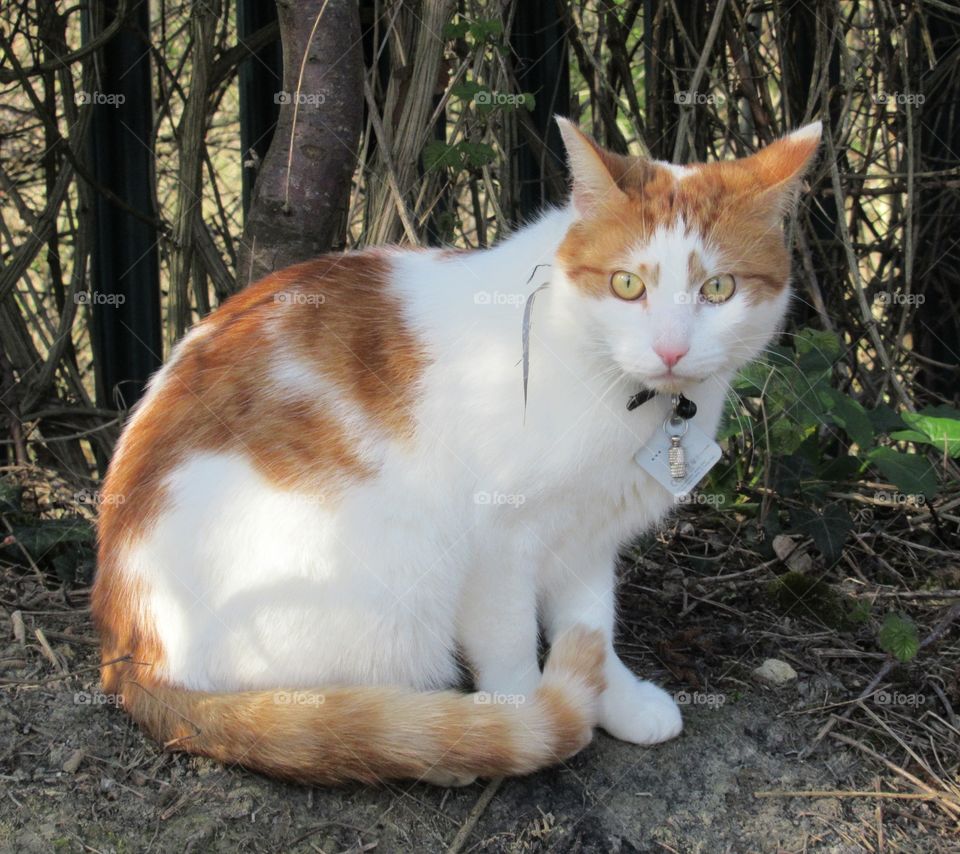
[718,289]
[627,286]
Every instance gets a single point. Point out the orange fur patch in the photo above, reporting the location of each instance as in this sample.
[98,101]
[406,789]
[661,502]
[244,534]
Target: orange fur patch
[735,206]
[345,324]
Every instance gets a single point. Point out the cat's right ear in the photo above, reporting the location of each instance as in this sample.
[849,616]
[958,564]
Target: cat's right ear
[593,182]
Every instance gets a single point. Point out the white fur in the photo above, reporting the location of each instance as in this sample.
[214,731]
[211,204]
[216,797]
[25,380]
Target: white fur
[487,516]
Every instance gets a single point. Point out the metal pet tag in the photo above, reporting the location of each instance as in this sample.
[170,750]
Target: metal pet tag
[678,457]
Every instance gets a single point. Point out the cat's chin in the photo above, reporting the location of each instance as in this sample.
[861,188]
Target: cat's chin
[667,383]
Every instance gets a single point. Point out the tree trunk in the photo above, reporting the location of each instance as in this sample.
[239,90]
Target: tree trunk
[301,194]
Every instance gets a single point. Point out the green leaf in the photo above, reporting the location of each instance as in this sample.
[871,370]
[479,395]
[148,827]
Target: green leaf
[884,419]
[910,436]
[9,496]
[41,538]
[816,350]
[828,529]
[898,637]
[462,155]
[529,101]
[942,433]
[910,473]
[753,379]
[486,28]
[455,29]
[466,89]
[851,416]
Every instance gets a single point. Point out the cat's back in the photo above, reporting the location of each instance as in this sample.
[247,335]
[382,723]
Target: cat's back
[308,375]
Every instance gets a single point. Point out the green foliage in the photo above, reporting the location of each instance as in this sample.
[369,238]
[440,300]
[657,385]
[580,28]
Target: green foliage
[63,547]
[795,430]
[805,597]
[898,637]
[461,155]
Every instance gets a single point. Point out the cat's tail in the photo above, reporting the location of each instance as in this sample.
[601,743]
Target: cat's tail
[372,734]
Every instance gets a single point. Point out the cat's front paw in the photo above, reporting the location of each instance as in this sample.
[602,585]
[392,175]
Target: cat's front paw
[639,712]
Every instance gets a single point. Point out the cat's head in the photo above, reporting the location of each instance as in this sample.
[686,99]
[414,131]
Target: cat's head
[681,272]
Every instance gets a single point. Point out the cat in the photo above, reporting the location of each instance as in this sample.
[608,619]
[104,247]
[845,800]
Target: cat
[340,483]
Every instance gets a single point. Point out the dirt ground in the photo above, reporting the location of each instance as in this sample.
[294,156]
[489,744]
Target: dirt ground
[695,794]
[702,607]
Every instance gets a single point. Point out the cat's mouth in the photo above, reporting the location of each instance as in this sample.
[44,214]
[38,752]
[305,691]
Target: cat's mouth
[669,382]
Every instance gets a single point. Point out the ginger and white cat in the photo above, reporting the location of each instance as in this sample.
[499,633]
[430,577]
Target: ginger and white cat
[335,486]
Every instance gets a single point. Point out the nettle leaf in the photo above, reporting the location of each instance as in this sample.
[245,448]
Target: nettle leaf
[486,28]
[816,350]
[753,379]
[851,416]
[455,29]
[787,435]
[466,89]
[828,529]
[462,155]
[941,432]
[898,637]
[910,473]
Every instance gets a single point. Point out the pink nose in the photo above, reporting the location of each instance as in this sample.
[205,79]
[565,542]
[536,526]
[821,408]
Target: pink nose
[670,354]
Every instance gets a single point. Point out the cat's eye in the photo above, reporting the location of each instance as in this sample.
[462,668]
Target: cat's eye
[628,286]
[718,289]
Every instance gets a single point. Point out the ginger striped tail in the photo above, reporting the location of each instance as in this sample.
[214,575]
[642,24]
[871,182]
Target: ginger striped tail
[372,734]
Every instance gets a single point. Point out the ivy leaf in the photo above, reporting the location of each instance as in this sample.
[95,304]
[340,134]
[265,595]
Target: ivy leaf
[898,637]
[851,416]
[40,539]
[829,529]
[910,473]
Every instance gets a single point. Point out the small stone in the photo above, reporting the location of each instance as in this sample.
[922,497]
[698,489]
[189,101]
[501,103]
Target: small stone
[72,763]
[775,672]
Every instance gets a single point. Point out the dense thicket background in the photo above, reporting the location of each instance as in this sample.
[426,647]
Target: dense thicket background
[156,158]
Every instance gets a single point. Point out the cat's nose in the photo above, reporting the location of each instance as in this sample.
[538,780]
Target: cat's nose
[670,354]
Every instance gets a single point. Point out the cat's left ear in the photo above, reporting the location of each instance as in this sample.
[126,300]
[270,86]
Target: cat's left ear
[780,166]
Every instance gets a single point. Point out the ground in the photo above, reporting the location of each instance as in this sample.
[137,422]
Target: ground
[700,612]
